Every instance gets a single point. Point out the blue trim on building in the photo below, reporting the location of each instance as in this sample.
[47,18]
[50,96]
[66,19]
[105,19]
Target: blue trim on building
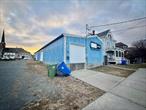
[57,51]
[94,56]
[51,42]
[54,53]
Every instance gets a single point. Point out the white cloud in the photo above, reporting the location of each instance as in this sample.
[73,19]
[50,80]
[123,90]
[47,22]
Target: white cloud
[23,20]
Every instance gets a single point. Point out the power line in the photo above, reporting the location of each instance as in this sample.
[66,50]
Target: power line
[117,23]
[129,28]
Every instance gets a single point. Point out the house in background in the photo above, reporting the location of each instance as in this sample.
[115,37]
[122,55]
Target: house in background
[121,45]
[112,53]
[124,47]
[74,50]
[12,53]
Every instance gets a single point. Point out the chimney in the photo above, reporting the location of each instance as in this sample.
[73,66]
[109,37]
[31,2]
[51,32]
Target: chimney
[93,32]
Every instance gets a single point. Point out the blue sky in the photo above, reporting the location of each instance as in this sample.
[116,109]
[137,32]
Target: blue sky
[33,23]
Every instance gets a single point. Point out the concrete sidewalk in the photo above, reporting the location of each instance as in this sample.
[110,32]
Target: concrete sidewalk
[98,79]
[128,94]
[133,88]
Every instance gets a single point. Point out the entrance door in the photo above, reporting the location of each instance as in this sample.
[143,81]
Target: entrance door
[41,56]
[105,60]
[77,54]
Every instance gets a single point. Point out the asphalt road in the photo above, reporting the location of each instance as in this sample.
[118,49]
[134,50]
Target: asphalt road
[19,86]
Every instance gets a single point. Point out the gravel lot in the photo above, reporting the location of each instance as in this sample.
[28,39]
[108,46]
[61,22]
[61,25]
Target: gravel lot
[25,85]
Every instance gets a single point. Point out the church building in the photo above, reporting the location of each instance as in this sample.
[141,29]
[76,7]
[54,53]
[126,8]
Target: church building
[12,53]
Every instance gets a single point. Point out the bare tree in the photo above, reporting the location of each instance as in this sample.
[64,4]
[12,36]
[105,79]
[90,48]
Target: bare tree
[140,50]
[141,44]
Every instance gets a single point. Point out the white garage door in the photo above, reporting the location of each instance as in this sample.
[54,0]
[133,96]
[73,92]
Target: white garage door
[77,54]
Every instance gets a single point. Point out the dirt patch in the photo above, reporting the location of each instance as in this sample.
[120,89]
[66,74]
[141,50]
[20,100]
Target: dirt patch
[37,67]
[73,95]
[114,71]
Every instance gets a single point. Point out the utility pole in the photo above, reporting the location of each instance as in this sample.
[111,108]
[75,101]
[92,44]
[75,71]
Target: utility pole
[86,38]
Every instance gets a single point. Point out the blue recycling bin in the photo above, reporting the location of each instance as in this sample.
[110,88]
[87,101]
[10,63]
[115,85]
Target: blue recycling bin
[123,62]
[63,69]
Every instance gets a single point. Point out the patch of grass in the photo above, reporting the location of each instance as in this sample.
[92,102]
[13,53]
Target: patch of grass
[114,71]
[133,66]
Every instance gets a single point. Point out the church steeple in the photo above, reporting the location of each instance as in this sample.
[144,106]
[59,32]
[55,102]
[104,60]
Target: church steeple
[3,37]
